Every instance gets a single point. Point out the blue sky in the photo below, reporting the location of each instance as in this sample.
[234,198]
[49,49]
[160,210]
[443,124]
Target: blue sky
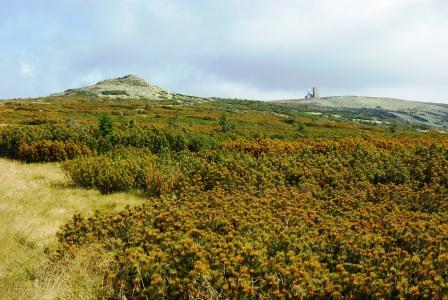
[262,49]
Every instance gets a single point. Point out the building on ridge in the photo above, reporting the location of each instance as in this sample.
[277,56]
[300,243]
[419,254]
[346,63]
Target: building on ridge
[314,94]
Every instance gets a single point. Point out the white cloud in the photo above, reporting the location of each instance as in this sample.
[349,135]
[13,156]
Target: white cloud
[407,92]
[91,78]
[242,91]
[263,48]
[26,69]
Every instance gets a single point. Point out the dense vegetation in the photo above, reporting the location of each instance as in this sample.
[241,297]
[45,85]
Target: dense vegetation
[45,143]
[251,201]
[352,219]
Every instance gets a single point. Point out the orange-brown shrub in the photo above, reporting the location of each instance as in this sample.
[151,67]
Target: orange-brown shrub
[330,220]
[285,244]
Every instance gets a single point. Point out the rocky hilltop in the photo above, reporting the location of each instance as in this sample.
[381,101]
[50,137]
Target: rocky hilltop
[129,86]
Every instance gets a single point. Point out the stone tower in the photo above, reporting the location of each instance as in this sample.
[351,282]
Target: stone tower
[316,92]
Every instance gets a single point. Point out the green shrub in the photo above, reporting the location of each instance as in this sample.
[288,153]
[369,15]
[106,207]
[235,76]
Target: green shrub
[39,121]
[49,151]
[13,137]
[289,120]
[105,137]
[162,139]
[123,170]
[224,123]
[105,125]
[115,93]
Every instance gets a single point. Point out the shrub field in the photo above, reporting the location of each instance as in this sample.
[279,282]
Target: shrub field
[360,219]
[242,200]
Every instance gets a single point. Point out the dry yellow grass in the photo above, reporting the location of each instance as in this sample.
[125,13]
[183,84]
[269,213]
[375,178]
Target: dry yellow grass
[35,200]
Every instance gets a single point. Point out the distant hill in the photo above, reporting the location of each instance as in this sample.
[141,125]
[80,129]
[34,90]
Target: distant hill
[126,87]
[340,108]
[431,114]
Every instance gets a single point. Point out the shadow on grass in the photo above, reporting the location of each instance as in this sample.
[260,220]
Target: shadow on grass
[66,185]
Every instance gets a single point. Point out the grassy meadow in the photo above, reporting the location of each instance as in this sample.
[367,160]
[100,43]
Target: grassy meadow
[35,200]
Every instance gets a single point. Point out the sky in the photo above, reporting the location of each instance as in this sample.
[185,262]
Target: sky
[254,49]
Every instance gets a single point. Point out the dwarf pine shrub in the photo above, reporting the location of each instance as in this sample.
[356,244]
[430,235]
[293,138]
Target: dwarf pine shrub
[49,151]
[123,170]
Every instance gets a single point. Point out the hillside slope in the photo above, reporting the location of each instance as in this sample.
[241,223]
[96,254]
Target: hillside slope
[126,87]
[432,114]
[340,108]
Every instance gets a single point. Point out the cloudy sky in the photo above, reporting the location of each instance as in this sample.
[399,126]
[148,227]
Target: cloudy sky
[264,49]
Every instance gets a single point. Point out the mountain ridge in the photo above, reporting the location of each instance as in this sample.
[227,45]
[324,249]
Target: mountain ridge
[431,114]
[381,108]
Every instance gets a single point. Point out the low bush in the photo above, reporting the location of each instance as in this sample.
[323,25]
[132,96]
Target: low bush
[122,170]
[13,137]
[163,178]
[115,93]
[103,139]
[49,151]
[162,139]
[39,121]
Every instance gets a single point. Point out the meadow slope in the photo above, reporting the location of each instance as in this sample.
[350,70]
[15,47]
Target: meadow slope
[35,200]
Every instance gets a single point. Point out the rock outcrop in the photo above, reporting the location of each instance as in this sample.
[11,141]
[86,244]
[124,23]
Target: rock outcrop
[126,87]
